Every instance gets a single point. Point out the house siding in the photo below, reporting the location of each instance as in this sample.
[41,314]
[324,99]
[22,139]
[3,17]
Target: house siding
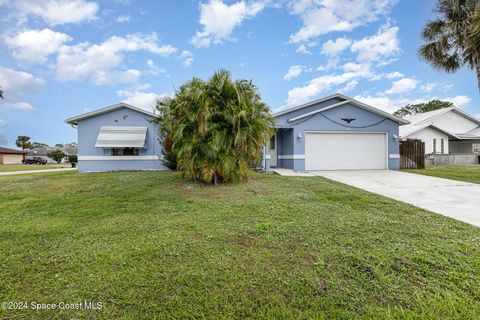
[427,135]
[89,128]
[371,122]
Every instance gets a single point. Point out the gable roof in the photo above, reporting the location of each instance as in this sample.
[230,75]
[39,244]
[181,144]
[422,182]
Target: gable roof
[74,120]
[425,117]
[346,100]
[408,130]
[11,151]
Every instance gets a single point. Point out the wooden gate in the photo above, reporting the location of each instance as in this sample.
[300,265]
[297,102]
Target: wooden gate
[412,154]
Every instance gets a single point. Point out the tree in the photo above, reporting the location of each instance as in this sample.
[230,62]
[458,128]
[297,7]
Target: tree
[56,155]
[217,128]
[23,142]
[36,144]
[411,109]
[1,94]
[453,39]
[59,145]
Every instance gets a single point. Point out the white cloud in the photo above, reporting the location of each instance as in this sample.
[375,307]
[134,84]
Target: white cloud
[23,106]
[145,100]
[393,104]
[303,49]
[15,82]
[16,85]
[459,101]
[314,87]
[350,86]
[402,86]
[55,12]
[101,78]
[34,46]
[377,47]
[321,17]
[123,19]
[93,61]
[293,72]
[219,19]
[187,58]
[333,48]
[153,69]
[394,75]
[369,52]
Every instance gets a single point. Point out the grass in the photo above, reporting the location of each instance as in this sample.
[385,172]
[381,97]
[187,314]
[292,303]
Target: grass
[152,245]
[468,173]
[23,167]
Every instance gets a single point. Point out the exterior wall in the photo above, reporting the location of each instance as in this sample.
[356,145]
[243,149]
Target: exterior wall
[11,159]
[100,159]
[453,122]
[463,146]
[427,135]
[319,123]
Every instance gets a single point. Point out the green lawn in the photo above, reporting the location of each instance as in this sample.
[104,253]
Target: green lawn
[152,245]
[469,173]
[23,167]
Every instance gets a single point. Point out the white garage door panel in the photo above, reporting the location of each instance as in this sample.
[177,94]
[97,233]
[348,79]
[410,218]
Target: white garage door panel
[345,151]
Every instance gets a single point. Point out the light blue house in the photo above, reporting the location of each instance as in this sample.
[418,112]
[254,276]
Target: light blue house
[118,137]
[332,133]
[335,133]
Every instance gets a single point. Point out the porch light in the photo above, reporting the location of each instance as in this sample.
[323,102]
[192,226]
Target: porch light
[299,136]
[396,138]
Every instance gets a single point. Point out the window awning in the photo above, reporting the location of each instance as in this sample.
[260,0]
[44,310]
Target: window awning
[121,137]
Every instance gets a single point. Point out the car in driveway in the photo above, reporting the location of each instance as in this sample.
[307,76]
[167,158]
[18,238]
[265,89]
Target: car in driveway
[34,160]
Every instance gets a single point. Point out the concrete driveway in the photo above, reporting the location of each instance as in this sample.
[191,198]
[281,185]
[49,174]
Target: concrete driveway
[451,198]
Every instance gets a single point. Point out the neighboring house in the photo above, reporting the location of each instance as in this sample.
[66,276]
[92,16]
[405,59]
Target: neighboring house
[43,152]
[335,133]
[11,156]
[117,137]
[444,131]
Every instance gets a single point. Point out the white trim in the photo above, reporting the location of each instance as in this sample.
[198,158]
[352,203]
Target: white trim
[394,156]
[387,164]
[311,103]
[267,157]
[346,100]
[318,111]
[291,156]
[74,120]
[101,158]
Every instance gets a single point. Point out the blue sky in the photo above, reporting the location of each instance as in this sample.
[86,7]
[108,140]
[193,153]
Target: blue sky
[62,58]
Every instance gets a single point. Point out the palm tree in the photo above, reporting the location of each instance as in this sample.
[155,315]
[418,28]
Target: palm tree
[217,128]
[23,142]
[453,39]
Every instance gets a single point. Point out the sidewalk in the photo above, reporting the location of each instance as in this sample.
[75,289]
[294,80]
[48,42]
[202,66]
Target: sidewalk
[8,173]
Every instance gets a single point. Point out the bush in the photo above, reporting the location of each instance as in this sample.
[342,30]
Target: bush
[218,128]
[73,158]
[56,155]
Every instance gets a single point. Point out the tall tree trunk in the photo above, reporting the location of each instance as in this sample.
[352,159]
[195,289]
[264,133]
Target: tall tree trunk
[477,68]
[215,178]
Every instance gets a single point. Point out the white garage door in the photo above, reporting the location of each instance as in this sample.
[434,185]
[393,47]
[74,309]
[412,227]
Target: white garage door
[345,151]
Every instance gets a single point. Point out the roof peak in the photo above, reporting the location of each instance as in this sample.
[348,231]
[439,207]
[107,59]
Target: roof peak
[74,120]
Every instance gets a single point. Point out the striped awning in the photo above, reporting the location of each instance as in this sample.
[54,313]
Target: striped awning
[121,137]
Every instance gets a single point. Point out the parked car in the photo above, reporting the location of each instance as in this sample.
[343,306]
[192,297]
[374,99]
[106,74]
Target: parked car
[34,160]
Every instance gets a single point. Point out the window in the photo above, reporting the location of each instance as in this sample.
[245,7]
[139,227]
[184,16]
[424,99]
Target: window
[272,143]
[442,146]
[434,145]
[125,152]
[476,147]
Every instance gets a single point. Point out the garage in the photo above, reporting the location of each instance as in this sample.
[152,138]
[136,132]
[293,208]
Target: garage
[345,151]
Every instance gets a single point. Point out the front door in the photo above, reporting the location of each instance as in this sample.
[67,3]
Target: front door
[273,151]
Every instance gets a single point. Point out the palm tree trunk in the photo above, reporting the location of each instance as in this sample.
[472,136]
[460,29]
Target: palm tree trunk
[215,178]
[477,68]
